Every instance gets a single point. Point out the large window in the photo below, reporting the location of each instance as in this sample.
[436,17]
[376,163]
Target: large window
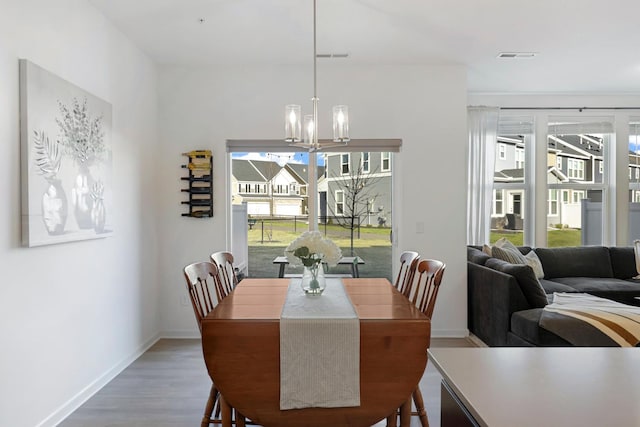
[584,143]
[508,216]
[560,180]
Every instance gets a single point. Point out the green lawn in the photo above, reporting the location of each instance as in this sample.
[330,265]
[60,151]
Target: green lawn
[555,238]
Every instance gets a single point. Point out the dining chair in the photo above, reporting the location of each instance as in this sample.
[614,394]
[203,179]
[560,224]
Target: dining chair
[422,291]
[226,272]
[201,277]
[408,265]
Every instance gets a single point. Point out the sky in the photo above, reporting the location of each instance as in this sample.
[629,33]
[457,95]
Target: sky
[280,158]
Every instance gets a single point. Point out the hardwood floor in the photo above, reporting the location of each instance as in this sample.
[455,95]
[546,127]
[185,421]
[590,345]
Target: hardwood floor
[168,387]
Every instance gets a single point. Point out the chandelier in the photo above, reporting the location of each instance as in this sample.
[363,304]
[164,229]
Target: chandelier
[309,139]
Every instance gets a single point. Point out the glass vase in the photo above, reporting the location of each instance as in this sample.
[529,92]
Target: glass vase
[313,281]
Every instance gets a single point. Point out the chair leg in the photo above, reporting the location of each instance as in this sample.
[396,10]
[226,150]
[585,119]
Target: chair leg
[208,410]
[240,420]
[420,411]
[226,412]
[405,413]
[392,420]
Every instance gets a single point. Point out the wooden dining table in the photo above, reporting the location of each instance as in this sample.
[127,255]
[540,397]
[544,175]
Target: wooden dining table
[241,347]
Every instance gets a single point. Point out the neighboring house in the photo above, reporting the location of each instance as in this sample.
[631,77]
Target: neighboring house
[270,189]
[571,159]
[340,166]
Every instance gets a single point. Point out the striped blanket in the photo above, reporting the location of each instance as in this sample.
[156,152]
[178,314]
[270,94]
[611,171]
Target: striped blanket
[620,323]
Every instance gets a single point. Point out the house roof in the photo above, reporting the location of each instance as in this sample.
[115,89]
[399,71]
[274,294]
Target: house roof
[243,170]
[299,170]
[267,168]
[578,145]
[509,175]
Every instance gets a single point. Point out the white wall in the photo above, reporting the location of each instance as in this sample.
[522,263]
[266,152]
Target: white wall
[73,315]
[425,106]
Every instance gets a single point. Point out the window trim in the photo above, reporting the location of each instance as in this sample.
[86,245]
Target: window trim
[335,202]
[382,160]
[367,163]
[343,164]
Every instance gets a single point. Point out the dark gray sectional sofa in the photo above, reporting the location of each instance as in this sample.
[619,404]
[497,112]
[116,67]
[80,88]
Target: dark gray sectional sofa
[504,306]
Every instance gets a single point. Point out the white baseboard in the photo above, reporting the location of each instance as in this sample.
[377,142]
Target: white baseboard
[449,333]
[85,394]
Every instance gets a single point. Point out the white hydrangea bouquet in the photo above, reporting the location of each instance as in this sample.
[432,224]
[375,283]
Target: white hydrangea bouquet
[310,250]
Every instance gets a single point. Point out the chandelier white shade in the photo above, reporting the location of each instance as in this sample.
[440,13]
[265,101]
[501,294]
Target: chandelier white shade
[307,136]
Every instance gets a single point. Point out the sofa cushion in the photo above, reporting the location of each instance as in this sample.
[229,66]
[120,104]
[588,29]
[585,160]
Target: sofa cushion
[529,284]
[598,284]
[525,325]
[584,261]
[551,286]
[623,262]
[476,256]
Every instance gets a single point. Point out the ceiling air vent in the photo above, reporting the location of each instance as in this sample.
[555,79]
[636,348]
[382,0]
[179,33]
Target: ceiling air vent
[514,55]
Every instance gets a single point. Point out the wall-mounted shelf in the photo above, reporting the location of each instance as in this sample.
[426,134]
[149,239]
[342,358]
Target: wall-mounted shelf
[200,187]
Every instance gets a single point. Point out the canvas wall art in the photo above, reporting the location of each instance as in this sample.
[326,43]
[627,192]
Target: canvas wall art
[66,156]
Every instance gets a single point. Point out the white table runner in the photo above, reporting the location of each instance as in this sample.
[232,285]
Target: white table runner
[319,349]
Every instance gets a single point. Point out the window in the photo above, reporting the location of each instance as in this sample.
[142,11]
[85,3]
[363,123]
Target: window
[498,198]
[565,196]
[365,162]
[339,202]
[577,196]
[509,184]
[576,168]
[553,202]
[344,162]
[386,161]
[519,158]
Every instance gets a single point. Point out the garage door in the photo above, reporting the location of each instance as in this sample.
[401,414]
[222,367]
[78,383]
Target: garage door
[258,208]
[289,209]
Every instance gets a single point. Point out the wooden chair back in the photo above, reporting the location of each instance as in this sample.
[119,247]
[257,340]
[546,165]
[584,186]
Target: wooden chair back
[408,264]
[426,284]
[201,277]
[226,272]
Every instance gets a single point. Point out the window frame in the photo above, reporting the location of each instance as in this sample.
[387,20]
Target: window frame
[383,159]
[343,163]
[366,162]
[337,203]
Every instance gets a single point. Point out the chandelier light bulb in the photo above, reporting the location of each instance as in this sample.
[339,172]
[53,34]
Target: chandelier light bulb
[341,123]
[309,129]
[292,124]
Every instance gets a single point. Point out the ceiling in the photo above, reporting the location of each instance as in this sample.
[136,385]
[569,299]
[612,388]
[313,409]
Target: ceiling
[582,46]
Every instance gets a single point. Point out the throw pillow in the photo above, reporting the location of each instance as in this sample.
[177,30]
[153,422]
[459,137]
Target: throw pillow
[529,284]
[509,255]
[486,249]
[505,244]
[533,261]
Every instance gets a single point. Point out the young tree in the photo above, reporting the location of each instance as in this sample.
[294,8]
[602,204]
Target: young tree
[359,193]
